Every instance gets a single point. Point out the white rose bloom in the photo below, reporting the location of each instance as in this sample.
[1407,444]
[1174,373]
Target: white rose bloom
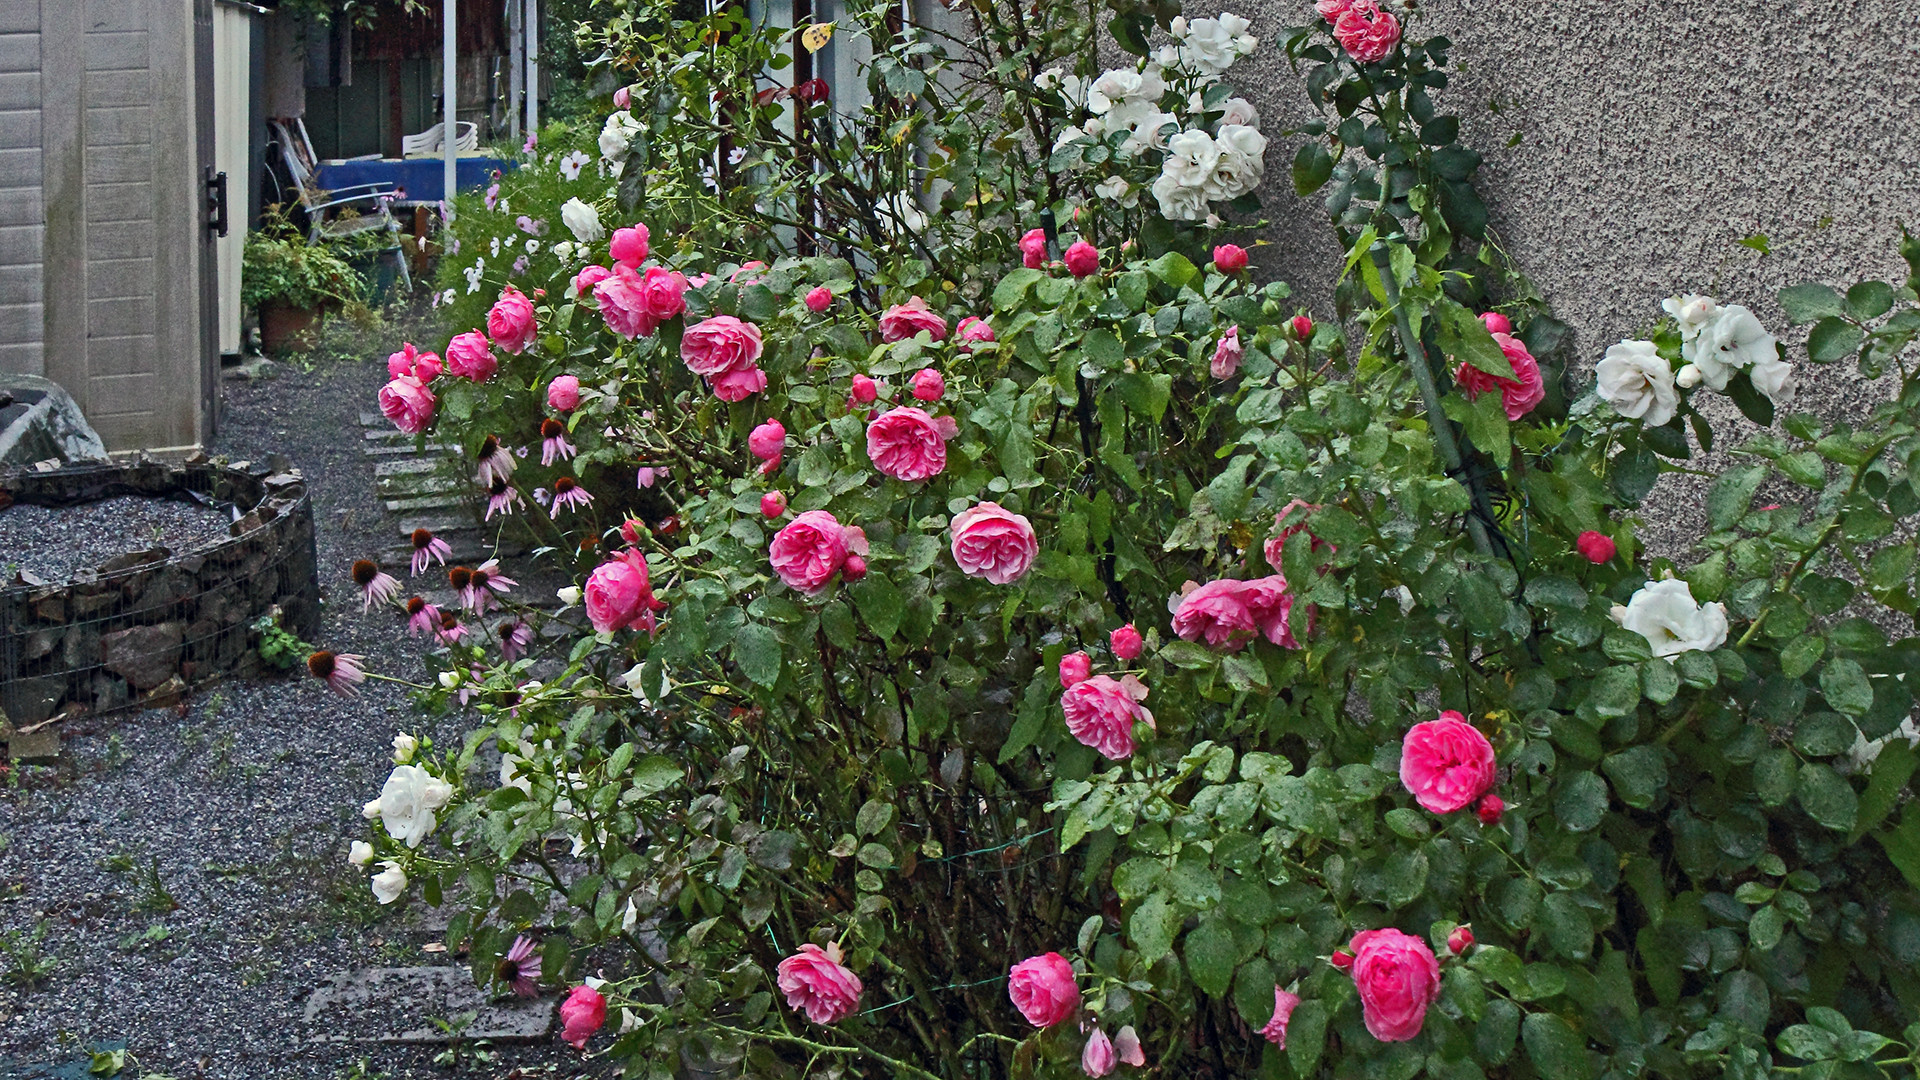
[616,136]
[1638,382]
[1665,613]
[1168,56]
[1121,85]
[404,747]
[407,802]
[1178,201]
[1691,311]
[1212,45]
[900,211]
[583,220]
[1865,752]
[389,884]
[1239,111]
[1048,79]
[1241,162]
[1731,339]
[631,680]
[360,853]
[1144,120]
[510,775]
[1773,377]
[1116,189]
[1191,157]
[1068,135]
[569,596]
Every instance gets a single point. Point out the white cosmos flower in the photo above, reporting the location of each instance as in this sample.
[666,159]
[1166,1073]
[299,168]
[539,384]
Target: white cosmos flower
[1692,311]
[404,747]
[360,853]
[1730,339]
[1666,614]
[1241,162]
[1637,382]
[583,220]
[616,135]
[571,165]
[533,247]
[389,884]
[407,802]
[1179,201]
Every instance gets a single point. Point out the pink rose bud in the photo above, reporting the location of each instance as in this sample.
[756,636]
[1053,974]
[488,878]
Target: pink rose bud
[1341,959]
[1490,808]
[629,246]
[1083,259]
[581,1015]
[767,441]
[928,384]
[632,529]
[1460,940]
[623,98]
[1033,249]
[854,568]
[773,504]
[1098,1058]
[864,390]
[1302,327]
[972,329]
[1075,667]
[819,299]
[563,393]
[1597,547]
[1229,258]
[1126,643]
[1496,323]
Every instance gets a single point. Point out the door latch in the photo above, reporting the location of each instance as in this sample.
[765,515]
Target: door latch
[216,202]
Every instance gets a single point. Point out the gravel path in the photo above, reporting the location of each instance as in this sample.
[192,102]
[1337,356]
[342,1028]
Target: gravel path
[56,543]
[189,866]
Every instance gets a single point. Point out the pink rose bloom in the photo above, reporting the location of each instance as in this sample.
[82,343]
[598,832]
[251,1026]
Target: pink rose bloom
[971,330]
[1217,614]
[818,984]
[751,272]
[582,1014]
[1098,1059]
[1269,602]
[405,362]
[1075,667]
[1397,977]
[1331,10]
[1228,354]
[563,393]
[767,442]
[819,299]
[902,321]
[623,97]
[629,246]
[1283,1005]
[1229,258]
[1082,259]
[1044,990]
[1126,642]
[1517,395]
[1127,1045]
[1276,544]
[426,367]
[408,403]
[1367,33]
[864,391]
[619,593]
[991,542]
[1446,763]
[808,551]
[928,384]
[468,357]
[587,278]
[739,385]
[907,444]
[635,305]
[1033,249]
[713,347]
[1496,323]
[1596,547]
[1101,711]
[510,323]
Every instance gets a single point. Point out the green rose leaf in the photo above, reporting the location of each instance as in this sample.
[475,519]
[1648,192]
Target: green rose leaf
[1211,956]
[757,650]
[1826,796]
[1581,802]
[1846,686]
[1153,926]
[1638,773]
[1811,302]
[1555,1049]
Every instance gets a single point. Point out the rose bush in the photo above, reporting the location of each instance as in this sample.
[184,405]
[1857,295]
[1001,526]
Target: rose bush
[839,756]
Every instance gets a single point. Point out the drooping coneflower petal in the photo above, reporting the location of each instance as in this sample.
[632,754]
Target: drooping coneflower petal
[376,585]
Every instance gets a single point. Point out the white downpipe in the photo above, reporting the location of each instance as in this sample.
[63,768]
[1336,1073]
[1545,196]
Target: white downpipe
[532,23]
[449,98]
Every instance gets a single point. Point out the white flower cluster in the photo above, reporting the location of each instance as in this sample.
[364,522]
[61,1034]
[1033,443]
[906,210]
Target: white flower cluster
[1200,166]
[616,139]
[1717,340]
[1672,621]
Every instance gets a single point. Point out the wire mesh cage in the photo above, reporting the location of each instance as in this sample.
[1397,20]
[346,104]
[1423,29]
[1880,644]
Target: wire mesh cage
[145,625]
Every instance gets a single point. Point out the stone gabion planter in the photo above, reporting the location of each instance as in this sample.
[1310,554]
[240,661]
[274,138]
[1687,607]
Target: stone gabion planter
[144,626]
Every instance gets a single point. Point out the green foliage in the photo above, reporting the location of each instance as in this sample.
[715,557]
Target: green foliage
[279,266]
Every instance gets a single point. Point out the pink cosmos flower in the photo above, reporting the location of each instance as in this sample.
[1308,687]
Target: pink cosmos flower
[1460,940]
[1518,395]
[767,442]
[619,594]
[810,549]
[1097,1059]
[520,968]
[376,585]
[1397,977]
[553,443]
[1043,989]
[1367,33]
[582,1014]
[502,497]
[587,278]
[818,984]
[1490,808]
[1596,547]
[902,321]
[716,346]
[1126,642]
[493,195]
[1229,258]
[340,671]
[928,385]
[864,391]
[563,393]
[568,493]
[408,403]
[819,299]
[1275,1030]
[1075,667]
[907,444]
[1033,249]
[739,385]
[511,322]
[428,549]
[494,461]
[989,541]
[1496,323]
[629,246]
[1215,613]
[422,617]
[1082,259]
[1101,712]
[1228,354]
[972,330]
[530,226]
[1446,763]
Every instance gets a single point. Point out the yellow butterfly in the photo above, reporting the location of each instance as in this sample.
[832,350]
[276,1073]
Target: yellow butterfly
[815,37]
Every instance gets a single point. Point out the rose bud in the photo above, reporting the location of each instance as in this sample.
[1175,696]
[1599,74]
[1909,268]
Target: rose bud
[773,504]
[864,390]
[1460,940]
[1497,323]
[1229,258]
[1302,327]
[1075,667]
[1341,959]
[1596,547]
[1126,642]
[1490,808]
[854,568]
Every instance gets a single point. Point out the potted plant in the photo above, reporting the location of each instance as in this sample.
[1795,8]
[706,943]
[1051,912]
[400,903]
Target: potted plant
[292,283]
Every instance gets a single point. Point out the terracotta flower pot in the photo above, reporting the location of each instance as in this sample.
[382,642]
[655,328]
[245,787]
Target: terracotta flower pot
[285,328]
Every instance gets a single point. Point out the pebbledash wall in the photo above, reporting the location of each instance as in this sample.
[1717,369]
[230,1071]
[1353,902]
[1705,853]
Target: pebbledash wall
[1631,144]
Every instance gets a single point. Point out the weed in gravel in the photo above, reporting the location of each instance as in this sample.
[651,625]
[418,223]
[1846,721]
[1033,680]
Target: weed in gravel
[116,755]
[222,749]
[142,940]
[461,1052]
[361,1069]
[27,960]
[155,899]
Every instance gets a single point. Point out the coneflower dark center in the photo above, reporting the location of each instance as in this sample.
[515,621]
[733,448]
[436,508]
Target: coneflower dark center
[421,538]
[364,571]
[459,577]
[488,447]
[564,485]
[415,605]
[321,664]
[551,428]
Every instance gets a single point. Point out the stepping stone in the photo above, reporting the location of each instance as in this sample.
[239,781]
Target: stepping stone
[394,1005]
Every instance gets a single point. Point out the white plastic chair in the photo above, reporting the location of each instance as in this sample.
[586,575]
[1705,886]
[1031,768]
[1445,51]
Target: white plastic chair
[427,143]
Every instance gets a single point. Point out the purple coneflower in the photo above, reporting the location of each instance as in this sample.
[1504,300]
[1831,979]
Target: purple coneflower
[450,631]
[515,636]
[340,671]
[376,585]
[482,584]
[501,498]
[496,462]
[568,493]
[520,968]
[422,617]
[553,441]
[428,549]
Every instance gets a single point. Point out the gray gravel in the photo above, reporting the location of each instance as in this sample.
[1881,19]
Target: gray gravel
[55,543]
[240,805]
